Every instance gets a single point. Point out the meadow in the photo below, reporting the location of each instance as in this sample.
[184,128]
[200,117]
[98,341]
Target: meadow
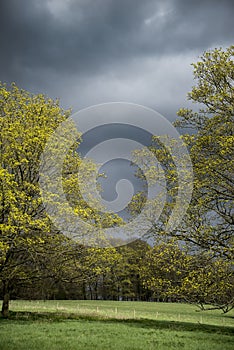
[100,325]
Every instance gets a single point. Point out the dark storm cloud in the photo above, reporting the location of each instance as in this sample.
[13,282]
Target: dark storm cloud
[82,35]
[94,47]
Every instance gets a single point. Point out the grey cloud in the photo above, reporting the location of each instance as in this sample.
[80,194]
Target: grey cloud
[93,47]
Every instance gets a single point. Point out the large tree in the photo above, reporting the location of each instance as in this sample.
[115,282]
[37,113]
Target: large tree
[208,224]
[26,121]
[30,245]
[208,135]
[211,143]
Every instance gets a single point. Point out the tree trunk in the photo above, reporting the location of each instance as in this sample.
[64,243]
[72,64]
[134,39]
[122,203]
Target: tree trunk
[6,299]
[84,291]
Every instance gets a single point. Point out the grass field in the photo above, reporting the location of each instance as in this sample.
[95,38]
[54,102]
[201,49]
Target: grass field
[111,325]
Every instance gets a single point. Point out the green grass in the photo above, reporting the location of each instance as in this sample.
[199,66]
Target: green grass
[133,310]
[111,325]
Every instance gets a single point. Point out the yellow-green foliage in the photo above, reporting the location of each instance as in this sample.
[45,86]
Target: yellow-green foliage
[28,239]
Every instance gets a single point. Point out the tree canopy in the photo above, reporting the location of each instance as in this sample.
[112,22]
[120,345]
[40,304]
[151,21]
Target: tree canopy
[28,238]
[192,262]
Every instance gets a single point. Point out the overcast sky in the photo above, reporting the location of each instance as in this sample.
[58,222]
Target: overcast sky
[92,51]
[87,52]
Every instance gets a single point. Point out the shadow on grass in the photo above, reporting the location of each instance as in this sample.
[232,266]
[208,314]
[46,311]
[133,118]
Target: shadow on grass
[141,322]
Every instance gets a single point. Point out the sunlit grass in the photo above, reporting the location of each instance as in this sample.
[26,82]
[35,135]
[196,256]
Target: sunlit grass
[100,325]
[133,310]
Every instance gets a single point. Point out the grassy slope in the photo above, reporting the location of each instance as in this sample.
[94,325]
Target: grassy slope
[87,325]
